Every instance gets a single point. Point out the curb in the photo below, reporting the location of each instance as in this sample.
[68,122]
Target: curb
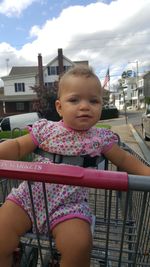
[107,120]
[141,143]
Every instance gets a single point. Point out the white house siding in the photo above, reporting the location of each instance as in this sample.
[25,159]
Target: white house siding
[54,63]
[9,89]
[49,78]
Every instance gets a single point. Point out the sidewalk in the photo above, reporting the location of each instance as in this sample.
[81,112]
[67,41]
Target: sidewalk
[129,136]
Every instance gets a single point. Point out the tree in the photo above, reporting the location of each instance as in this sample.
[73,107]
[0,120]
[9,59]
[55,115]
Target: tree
[147,100]
[106,94]
[45,104]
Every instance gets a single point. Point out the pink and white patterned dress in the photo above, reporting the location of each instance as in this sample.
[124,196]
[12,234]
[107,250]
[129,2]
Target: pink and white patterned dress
[64,201]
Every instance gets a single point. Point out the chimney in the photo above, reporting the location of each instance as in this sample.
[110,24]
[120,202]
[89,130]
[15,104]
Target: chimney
[60,61]
[40,71]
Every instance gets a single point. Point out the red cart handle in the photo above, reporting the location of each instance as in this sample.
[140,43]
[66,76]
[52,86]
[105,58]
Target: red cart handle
[63,174]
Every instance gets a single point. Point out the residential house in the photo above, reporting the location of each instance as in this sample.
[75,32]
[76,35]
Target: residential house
[146,78]
[140,93]
[125,93]
[18,96]
[132,92]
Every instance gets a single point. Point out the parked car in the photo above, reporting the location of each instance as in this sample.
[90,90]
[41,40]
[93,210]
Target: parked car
[20,121]
[146,124]
[109,112]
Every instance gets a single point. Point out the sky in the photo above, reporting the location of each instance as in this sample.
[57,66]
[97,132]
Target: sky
[107,33]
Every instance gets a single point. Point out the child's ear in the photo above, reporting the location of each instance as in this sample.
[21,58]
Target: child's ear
[58,107]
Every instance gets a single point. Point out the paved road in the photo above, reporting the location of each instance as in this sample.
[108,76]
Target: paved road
[133,117]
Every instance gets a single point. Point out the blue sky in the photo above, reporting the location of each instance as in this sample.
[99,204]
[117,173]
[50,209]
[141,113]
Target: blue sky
[15,27]
[105,32]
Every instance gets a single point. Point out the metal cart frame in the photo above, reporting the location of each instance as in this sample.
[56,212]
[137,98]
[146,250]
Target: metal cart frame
[119,201]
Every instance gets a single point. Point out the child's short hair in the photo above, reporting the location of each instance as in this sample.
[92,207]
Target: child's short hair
[77,71]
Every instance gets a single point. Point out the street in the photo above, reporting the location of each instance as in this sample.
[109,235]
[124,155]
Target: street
[133,117]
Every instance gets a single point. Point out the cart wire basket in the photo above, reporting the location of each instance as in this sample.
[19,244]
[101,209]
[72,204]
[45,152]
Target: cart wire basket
[120,204]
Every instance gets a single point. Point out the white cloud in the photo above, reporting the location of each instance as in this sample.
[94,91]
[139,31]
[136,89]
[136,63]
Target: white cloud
[103,34]
[10,57]
[34,32]
[14,7]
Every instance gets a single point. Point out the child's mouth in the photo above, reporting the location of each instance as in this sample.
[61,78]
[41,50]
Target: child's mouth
[83,116]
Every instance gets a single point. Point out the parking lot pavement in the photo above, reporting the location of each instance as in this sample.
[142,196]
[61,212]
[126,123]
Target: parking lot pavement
[127,135]
[145,149]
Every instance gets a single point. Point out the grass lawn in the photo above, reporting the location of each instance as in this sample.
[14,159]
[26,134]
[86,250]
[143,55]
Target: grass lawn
[100,125]
[12,134]
[16,133]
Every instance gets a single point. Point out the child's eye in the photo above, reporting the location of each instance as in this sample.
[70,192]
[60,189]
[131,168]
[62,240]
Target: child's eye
[94,101]
[73,100]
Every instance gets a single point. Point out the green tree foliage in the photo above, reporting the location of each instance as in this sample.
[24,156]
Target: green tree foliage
[147,100]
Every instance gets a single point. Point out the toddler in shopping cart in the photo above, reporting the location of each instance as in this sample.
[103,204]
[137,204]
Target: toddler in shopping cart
[79,103]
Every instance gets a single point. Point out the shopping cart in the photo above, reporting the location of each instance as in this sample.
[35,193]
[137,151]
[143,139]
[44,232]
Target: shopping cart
[120,203]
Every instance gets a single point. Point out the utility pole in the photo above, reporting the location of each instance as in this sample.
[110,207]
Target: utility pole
[125,107]
[137,79]
[124,102]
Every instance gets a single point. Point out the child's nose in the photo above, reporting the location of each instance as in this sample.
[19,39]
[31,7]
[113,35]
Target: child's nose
[84,104]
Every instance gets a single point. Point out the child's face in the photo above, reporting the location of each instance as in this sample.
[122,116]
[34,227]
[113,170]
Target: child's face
[80,102]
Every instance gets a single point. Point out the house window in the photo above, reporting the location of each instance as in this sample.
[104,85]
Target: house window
[53,70]
[140,92]
[134,94]
[66,68]
[49,84]
[19,87]
[19,106]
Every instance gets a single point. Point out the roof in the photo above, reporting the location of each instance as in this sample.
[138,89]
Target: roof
[56,58]
[146,75]
[23,70]
[83,62]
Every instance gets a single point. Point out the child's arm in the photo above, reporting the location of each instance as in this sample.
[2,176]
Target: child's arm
[14,149]
[127,162]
